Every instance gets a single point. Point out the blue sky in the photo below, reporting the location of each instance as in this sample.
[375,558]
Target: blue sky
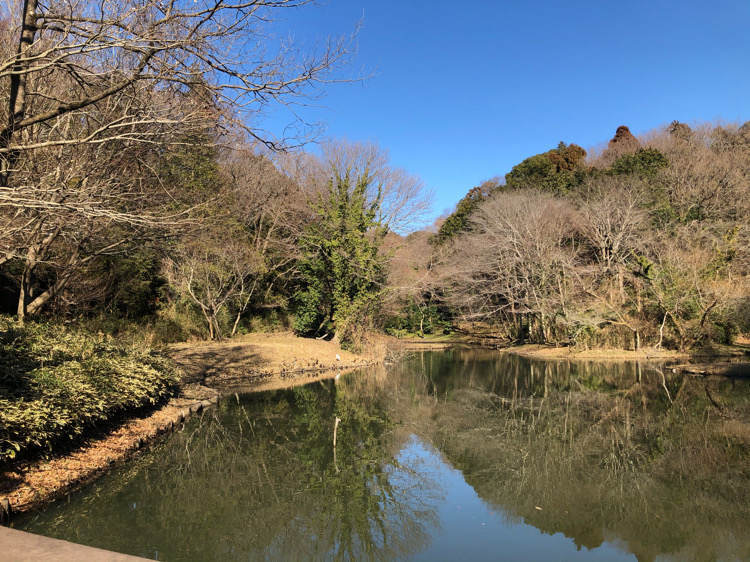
[461,92]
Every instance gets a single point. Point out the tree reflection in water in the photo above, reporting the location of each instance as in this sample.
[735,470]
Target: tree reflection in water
[630,454]
[660,466]
[256,479]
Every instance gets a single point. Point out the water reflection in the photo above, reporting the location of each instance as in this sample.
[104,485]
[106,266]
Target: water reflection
[599,452]
[544,459]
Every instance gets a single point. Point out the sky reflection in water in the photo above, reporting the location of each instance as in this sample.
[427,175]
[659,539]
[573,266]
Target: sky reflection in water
[458,455]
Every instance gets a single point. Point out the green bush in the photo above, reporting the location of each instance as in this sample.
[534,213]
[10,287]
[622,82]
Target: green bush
[418,320]
[55,382]
[644,162]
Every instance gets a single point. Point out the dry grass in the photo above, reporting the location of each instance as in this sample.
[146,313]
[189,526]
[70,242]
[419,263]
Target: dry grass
[264,361]
[547,352]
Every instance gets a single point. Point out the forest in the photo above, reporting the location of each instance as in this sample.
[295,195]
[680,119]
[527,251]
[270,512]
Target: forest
[641,243]
[137,197]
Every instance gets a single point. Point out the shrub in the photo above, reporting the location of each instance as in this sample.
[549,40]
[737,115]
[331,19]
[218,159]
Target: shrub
[57,382]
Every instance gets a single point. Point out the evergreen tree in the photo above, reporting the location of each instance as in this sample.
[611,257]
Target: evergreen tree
[558,171]
[458,221]
[342,270]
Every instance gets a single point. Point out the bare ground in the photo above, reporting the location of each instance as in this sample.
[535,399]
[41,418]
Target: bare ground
[264,361]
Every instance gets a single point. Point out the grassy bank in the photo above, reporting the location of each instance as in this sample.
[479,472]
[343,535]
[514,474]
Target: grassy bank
[262,361]
[56,382]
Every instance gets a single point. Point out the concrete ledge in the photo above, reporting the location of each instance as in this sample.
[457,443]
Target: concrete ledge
[19,546]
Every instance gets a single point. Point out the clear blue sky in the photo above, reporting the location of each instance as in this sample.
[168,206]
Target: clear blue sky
[463,91]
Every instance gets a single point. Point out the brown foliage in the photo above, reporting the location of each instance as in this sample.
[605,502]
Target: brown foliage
[659,256]
[622,143]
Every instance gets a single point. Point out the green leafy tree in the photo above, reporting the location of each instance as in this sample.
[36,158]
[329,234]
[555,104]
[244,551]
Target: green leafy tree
[458,221]
[557,171]
[644,163]
[342,269]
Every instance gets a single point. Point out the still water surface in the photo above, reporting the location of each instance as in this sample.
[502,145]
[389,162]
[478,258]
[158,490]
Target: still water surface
[452,455]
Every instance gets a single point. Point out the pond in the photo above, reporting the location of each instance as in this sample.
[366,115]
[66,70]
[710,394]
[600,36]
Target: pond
[452,455]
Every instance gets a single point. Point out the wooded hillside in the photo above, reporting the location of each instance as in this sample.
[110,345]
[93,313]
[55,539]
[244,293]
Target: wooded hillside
[644,243]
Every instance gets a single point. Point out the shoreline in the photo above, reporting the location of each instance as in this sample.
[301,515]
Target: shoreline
[733,362]
[739,351]
[538,351]
[253,363]
[32,484]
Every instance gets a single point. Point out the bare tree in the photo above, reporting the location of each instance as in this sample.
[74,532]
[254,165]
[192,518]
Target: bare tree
[517,260]
[216,274]
[404,199]
[97,91]
[102,50]
[411,282]
[692,283]
[273,211]
[610,217]
[709,174]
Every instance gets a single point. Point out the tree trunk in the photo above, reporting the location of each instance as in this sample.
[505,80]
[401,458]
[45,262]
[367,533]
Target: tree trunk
[25,283]
[21,309]
[236,323]
[217,327]
[34,306]
[17,91]
[661,331]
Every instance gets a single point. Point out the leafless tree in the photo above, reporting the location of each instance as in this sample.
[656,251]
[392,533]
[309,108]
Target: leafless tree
[405,201]
[610,217]
[411,282]
[273,211]
[217,274]
[709,174]
[517,260]
[95,92]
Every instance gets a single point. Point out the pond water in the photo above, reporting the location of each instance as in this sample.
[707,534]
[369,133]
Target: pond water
[451,455]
